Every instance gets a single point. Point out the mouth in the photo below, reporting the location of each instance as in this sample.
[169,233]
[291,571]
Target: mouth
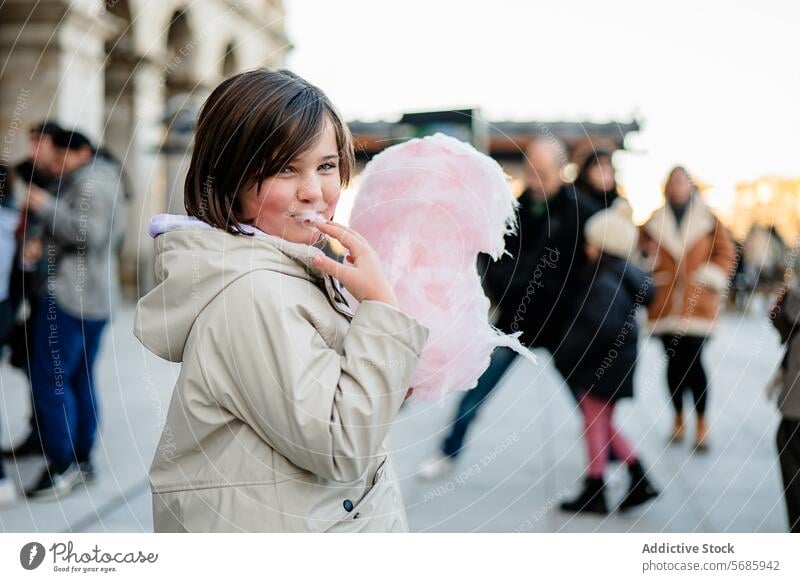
[308,218]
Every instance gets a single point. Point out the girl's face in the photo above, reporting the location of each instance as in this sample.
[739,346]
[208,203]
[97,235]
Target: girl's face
[310,182]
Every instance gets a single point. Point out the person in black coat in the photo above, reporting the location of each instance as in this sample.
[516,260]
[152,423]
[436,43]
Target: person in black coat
[598,354]
[532,287]
[596,178]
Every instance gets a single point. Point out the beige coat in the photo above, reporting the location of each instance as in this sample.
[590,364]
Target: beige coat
[691,268]
[279,418]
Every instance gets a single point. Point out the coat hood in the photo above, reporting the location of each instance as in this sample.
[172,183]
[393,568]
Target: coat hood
[194,262]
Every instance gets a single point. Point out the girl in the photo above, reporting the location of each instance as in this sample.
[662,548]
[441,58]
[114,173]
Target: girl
[691,254]
[279,418]
[598,355]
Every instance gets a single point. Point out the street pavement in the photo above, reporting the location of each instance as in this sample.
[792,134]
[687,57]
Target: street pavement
[524,452]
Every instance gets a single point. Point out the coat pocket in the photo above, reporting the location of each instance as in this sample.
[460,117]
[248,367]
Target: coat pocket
[359,508]
[379,510]
[311,504]
[237,508]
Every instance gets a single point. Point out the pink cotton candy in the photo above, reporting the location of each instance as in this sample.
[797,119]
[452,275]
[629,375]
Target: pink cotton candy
[429,206]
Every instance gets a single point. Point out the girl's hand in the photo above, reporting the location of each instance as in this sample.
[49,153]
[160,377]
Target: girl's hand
[365,279]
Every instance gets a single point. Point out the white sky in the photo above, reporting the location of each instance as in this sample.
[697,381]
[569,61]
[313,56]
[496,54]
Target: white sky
[717,84]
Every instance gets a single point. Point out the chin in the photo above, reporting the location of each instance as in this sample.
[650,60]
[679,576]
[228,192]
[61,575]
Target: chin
[292,233]
[304,236]
[309,240]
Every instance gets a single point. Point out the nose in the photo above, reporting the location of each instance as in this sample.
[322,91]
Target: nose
[310,191]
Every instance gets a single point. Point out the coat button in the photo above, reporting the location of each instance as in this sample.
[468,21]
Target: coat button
[348,505]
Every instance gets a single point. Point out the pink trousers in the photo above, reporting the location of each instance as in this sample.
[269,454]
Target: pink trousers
[600,433]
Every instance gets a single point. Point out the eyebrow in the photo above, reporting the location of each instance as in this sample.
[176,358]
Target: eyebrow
[322,159]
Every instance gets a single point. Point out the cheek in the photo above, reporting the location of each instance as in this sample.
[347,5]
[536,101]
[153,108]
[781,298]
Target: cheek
[268,206]
[331,191]
[275,196]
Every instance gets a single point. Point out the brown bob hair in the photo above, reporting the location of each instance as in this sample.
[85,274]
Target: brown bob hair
[250,127]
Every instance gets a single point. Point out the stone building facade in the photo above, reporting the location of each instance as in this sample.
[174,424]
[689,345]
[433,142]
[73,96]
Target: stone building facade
[131,75]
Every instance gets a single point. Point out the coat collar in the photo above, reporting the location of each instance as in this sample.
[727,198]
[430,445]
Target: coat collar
[303,254]
[299,255]
[678,239]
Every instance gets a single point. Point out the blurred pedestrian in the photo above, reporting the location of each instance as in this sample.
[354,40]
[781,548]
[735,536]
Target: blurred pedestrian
[28,270]
[785,315]
[597,179]
[691,253]
[80,224]
[533,287]
[599,352]
[9,218]
[37,167]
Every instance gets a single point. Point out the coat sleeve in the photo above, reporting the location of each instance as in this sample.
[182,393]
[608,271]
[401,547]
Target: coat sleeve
[597,318]
[785,314]
[791,302]
[86,219]
[326,412]
[716,272]
[502,277]
[607,312]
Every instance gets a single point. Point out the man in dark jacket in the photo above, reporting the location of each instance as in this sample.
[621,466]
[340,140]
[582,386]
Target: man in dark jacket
[82,224]
[28,271]
[533,288]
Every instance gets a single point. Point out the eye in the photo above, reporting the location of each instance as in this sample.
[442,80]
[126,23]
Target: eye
[286,171]
[327,166]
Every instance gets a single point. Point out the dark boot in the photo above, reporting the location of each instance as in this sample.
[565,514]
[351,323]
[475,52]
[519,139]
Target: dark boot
[30,447]
[591,500]
[640,491]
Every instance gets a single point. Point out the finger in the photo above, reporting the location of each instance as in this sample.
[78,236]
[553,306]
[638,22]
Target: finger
[339,229]
[349,229]
[350,239]
[333,268]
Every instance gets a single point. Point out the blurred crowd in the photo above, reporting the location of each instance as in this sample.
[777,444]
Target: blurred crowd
[579,280]
[62,215]
[579,274]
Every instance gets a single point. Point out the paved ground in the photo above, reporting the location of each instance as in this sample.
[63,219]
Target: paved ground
[524,454]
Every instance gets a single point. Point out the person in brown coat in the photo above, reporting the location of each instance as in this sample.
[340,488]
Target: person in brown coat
[691,256]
